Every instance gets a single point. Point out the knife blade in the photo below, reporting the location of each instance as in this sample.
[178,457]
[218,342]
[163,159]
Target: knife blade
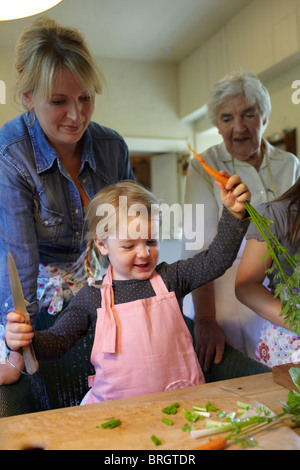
[30,360]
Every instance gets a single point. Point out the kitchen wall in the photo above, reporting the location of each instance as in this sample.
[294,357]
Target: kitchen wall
[165,102]
[264,38]
[157,106]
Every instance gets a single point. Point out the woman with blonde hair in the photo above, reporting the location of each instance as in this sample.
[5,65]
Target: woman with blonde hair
[53,160]
[142,344]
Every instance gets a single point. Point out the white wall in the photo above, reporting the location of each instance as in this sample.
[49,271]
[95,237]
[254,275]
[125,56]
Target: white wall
[10,109]
[141,99]
[263,35]
[148,101]
[284,114]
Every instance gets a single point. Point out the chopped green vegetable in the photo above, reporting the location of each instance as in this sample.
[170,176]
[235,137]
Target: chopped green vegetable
[113,423]
[191,415]
[203,414]
[210,407]
[156,441]
[201,411]
[231,416]
[167,421]
[187,428]
[171,409]
[199,408]
[244,406]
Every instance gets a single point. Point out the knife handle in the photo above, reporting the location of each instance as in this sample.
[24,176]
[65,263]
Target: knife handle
[30,360]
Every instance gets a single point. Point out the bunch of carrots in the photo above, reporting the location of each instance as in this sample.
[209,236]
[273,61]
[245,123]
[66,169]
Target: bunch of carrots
[288,291]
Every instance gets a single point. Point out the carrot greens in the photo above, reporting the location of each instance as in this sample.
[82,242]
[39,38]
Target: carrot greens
[287,287]
[241,428]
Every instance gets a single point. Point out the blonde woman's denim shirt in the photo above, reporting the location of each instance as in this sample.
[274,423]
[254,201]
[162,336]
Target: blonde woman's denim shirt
[41,215]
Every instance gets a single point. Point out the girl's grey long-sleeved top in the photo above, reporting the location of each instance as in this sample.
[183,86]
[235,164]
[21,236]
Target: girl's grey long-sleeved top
[180,277]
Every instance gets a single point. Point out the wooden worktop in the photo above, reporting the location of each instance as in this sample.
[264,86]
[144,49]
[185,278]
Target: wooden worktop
[80,427]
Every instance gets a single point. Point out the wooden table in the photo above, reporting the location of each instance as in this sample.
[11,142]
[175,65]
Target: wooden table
[80,427]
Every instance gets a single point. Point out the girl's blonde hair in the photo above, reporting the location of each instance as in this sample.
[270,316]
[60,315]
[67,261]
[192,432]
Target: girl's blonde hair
[135,194]
[43,50]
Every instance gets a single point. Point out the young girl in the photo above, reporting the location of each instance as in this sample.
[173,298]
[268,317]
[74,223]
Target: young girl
[141,344]
[277,344]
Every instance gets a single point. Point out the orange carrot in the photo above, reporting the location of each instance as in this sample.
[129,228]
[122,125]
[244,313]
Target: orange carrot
[215,444]
[211,171]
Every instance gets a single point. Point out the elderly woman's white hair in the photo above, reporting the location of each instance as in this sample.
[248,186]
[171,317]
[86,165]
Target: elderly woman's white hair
[238,84]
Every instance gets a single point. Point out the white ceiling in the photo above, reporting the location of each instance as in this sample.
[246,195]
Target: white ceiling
[143,30]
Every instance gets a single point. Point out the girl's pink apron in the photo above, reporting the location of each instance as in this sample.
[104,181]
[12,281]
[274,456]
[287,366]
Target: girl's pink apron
[142,346]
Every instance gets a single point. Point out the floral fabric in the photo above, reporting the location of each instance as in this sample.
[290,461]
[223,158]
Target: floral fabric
[276,345]
[56,284]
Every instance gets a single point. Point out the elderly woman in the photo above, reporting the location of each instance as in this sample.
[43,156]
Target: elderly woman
[239,107]
[53,160]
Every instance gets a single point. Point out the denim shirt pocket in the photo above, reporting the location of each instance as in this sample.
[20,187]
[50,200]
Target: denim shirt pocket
[47,222]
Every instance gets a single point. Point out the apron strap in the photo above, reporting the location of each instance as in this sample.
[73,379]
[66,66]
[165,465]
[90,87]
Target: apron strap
[109,321]
[158,284]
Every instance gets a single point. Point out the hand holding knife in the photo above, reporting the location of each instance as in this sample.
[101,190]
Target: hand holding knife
[31,363]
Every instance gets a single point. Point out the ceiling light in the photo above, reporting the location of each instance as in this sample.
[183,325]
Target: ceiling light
[14,9]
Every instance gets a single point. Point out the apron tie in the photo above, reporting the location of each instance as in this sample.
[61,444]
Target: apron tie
[109,321]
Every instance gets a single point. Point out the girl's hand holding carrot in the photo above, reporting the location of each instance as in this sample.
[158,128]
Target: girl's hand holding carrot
[18,333]
[233,194]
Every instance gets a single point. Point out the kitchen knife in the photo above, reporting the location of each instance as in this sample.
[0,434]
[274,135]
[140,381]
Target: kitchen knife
[31,363]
